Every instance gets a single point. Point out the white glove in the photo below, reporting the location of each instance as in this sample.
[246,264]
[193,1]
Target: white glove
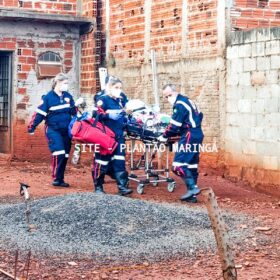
[79,101]
[162,139]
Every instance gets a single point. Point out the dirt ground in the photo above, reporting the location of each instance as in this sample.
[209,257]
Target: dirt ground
[259,262]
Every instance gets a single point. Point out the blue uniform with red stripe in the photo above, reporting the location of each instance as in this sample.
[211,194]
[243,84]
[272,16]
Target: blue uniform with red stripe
[186,122]
[115,163]
[57,112]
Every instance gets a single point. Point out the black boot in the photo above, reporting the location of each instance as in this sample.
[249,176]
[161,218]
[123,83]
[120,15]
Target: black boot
[98,184]
[99,189]
[122,181]
[60,184]
[59,164]
[192,199]
[193,189]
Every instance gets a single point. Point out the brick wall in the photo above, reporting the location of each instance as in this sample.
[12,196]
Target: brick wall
[202,27]
[200,81]
[188,38]
[88,66]
[67,7]
[90,53]
[27,43]
[252,108]
[184,35]
[172,28]
[249,14]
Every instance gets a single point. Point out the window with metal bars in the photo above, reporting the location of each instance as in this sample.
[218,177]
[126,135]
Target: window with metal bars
[5,82]
[49,64]
[49,57]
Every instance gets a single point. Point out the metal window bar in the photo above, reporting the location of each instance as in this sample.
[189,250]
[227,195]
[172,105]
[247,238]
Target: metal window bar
[49,57]
[5,76]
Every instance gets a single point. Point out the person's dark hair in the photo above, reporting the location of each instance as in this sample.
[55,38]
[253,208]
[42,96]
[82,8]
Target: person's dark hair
[171,86]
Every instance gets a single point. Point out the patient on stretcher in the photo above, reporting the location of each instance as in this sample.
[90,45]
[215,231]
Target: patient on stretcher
[145,122]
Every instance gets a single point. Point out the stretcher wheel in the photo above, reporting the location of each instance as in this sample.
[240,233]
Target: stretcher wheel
[140,188]
[155,184]
[171,186]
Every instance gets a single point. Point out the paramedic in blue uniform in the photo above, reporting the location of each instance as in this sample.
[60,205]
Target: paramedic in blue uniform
[124,100]
[56,108]
[123,96]
[186,123]
[112,114]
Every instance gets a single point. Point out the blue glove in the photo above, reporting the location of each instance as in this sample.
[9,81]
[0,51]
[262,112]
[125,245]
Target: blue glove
[116,115]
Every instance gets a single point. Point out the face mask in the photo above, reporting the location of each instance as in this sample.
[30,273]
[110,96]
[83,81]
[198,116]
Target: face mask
[116,93]
[171,99]
[64,87]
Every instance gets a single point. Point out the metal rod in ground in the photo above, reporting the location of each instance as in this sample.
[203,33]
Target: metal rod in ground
[24,192]
[221,235]
[16,264]
[27,265]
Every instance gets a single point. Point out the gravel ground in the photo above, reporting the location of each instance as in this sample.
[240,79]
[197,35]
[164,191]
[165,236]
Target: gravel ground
[110,228]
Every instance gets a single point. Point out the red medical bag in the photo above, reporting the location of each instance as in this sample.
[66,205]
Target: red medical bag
[94,132]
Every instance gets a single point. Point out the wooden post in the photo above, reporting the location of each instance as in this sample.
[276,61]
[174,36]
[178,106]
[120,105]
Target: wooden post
[221,235]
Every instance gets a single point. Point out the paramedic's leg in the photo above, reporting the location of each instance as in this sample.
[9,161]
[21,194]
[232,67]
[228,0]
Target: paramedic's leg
[118,164]
[197,138]
[184,162]
[191,186]
[67,146]
[110,170]
[186,175]
[99,169]
[56,146]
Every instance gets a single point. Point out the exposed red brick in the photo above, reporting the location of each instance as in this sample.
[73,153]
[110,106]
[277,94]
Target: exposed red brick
[255,14]
[26,52]
[22,90]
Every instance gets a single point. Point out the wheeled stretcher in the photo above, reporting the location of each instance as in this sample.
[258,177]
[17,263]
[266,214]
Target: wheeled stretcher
[145,167]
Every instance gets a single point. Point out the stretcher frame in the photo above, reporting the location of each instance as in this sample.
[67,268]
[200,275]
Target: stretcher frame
[148,174]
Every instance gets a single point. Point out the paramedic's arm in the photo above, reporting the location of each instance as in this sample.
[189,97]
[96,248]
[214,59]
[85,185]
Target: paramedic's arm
[39,115]
[124,99]
[177,120]
[74,109]
[100,111]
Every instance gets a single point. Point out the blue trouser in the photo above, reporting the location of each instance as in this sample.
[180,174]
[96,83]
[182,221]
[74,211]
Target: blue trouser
[186,158]
[112,164]
[60,146]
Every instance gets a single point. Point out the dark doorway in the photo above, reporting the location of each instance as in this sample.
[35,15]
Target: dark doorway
[5,101]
